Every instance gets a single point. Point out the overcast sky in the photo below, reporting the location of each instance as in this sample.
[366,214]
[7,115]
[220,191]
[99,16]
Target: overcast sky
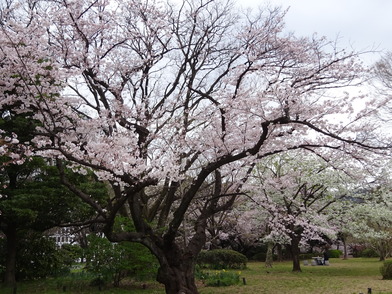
[362,24]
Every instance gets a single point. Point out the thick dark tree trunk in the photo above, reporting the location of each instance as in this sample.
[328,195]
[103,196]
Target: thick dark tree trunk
[176,270]
[10,263]
[176,256]
[295,252]
[178,279]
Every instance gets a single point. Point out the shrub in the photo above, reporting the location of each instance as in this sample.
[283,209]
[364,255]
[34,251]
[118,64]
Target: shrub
[115,261]
[386,270]
[335,253]
[222,259]
[220,278]
[368,252]
[73,251]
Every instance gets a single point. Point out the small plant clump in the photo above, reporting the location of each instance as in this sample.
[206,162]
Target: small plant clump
[386,270]
[220,278]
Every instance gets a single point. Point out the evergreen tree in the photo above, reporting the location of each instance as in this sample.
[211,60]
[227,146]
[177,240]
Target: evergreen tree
[32,198]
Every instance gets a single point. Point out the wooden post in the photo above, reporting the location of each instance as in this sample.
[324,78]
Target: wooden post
[244,281]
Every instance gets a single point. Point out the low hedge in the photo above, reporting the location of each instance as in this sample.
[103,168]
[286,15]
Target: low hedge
[222,259]
[335,253]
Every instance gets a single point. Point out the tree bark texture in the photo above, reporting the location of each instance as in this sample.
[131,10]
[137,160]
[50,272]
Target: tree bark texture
[345,254]
[269,259]
[10,264]
[176,271]
[279,252]
[295,252]
[178,279]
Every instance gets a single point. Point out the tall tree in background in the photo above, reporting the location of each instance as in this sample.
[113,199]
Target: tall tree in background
[159,99]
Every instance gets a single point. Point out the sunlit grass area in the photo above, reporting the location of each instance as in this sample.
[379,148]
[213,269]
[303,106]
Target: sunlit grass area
[341,277]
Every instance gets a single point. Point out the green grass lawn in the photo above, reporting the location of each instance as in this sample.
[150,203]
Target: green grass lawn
[341,277]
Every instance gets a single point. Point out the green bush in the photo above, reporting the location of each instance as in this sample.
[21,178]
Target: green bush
[222,259]
[73,251]
[335,253]
[220,278]
[368,252]
[386,270]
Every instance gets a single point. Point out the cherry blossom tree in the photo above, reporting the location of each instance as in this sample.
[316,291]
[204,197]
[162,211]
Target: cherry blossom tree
[301,193]
[383,70]
[158,99]
[370,214]
[241,228]
[372,226]
[248,227]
